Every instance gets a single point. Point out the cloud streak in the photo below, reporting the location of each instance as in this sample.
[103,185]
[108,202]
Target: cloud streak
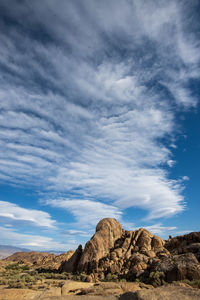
[86,211]
[12,212]
[88,102]
[31,241]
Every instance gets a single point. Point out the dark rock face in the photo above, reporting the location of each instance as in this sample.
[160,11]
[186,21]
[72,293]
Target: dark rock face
[135,254]
[179,267]
[71,264]
[188,243]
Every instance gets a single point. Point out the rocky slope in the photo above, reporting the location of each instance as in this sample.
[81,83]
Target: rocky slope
[39,259]
[113,251]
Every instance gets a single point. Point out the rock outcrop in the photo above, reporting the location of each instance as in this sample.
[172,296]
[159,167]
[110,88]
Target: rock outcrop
[108,231]
[40,259]
[179,267]
[114,252]
[188,243]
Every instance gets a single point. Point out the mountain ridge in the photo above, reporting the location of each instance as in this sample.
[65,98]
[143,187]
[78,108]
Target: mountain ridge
[7,250]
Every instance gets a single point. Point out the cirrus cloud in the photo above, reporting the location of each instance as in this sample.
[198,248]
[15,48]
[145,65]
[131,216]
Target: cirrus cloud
[88,102]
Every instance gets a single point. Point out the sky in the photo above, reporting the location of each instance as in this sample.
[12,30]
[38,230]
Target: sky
[99,117]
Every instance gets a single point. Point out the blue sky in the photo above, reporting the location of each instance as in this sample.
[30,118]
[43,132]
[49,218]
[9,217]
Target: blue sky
[99,117]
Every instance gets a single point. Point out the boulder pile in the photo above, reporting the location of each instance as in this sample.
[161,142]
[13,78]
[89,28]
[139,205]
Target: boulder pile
[115,252]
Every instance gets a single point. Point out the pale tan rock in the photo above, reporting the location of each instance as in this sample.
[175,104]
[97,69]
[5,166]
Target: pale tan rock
[73,287]
[19,294]
[169,292]
[52,292]
[107,232]
[70,265]
[157,243]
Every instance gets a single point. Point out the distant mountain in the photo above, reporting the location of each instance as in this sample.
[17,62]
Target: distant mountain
[6,250]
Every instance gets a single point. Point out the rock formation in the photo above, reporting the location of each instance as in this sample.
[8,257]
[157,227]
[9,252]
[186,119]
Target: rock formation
[178,267]
[113,251]
[107,232]
[39,259]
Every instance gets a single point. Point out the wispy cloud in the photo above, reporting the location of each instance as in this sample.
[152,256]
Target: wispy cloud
[10,236]
[12,212]
[86,212]
[87,103]
[160,229]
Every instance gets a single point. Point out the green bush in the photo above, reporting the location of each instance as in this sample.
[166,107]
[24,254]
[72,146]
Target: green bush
[111,277]
[192,283]
[16,284]
[156,278]
[123,280]
[16,267]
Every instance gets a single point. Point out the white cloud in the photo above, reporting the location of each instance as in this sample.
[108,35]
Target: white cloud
[171,163]
[157,228]
[186,178]
[160,229]
[86,212]
[87,111]
[183,232]
[37,242]
[12,212]
[73,232]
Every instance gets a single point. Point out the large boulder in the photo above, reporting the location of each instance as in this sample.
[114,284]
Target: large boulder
[179,267]
[107,232]
[169,292]
[142,241]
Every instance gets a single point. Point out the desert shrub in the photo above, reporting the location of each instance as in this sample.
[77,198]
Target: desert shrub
[16,284]
[192,283]
[16,267]
[3,281]
[46,270]
[83,276]
[60,284]
[33,272]
[156,278]
[111,277]
[27,278]
[13,266]
[122,280]
[77,277]
[69,276]
[24,267]
[57,276]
